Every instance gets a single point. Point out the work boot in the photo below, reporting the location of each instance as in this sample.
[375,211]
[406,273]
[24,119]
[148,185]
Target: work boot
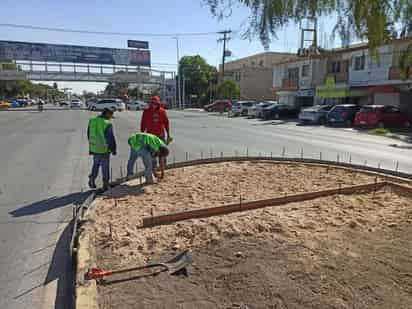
[92,184]
[105,186]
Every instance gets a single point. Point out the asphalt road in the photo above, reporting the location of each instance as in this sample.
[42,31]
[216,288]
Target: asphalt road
[44,164]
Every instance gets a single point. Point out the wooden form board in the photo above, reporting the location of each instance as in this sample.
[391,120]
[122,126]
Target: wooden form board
[221,210]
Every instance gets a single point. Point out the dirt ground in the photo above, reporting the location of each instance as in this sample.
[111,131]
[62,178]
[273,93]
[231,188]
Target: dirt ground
[343,251]
[221,184]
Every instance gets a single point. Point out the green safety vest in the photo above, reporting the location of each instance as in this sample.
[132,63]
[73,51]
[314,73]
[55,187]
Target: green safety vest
[138,140]
[97,141]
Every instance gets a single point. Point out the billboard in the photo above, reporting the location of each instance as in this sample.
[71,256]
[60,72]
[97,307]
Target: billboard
[10,50]
[138,44]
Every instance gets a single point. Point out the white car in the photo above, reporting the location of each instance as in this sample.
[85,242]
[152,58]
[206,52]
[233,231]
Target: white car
[76,103]
[240,108]
[136,105]
[113,104]
[251,111]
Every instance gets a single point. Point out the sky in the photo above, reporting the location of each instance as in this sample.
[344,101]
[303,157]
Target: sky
[142,16]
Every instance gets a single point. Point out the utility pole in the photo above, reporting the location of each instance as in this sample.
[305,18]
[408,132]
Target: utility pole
[179,88]
[224,39]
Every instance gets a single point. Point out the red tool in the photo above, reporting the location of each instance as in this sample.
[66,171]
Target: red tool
[175,264]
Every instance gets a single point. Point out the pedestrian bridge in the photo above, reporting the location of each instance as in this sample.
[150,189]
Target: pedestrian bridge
[26,70]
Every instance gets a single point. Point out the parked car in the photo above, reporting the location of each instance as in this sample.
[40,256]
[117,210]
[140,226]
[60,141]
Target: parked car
[63,103]
[76,103]
[343,114]
[240,108]
[381,116]
[113,104]
[218,106]
[136,105]
[15,103]
[20,102]
[261,106]
[278,110]
[251,111]
[315,114]
[4,105]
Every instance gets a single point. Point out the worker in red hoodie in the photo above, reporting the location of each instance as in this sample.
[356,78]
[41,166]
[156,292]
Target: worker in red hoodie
[155,121]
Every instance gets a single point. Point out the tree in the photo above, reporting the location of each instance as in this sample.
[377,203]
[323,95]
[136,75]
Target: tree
[88,95]
[228,90]
[116,89]
[195,72]
[374,20]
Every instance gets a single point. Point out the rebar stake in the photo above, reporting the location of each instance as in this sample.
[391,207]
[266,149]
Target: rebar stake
[283,152]
[301,153]
[320,155]
[397,166]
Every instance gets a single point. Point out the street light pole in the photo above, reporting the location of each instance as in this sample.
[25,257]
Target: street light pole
[184,90]
[179,89]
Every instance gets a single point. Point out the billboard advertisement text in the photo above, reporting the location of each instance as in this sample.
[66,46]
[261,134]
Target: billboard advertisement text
[10,50]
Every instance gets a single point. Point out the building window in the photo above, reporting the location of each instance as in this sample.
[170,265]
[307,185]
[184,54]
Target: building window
[360,63]
[336,67]
[305,70]
[293,73]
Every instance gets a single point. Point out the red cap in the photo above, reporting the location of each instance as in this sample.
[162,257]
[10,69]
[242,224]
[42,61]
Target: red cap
[155,99]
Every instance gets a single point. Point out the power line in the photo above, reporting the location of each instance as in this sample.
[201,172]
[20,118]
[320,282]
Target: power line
[68,30]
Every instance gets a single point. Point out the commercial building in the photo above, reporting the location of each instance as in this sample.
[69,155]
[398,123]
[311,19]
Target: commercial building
[254,74]
[348,75]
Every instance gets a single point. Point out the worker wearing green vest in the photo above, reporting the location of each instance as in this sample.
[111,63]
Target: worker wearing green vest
[147,146]
[102,143]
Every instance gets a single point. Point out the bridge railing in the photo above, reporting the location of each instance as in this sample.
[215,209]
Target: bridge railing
[53,67]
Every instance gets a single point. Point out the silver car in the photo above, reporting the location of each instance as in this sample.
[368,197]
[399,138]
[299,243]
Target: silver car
[261,106]
[240,108]
[136,105]
[315,114]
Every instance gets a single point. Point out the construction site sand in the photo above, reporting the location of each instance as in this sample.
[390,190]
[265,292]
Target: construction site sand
[219,184]
[342,251]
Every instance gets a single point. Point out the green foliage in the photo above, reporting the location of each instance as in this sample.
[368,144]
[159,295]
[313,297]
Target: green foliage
[10,89]
[115,89]
[197,73]
[374,20]
[405,63]
[228,90]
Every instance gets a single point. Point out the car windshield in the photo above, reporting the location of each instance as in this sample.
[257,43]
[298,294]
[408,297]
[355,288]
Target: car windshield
[369,109]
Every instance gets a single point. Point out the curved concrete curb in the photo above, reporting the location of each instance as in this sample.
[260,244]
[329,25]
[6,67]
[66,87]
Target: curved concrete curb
[86,291]
[85,258]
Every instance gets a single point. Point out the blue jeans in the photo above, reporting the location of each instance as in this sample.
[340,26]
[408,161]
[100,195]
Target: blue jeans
[102,160]
[146,156]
